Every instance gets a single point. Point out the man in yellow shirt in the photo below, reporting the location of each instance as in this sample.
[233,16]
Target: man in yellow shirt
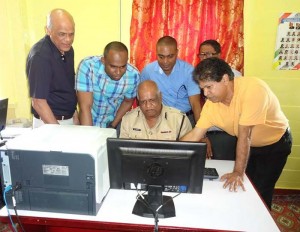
[223,144]
[153,120]
[248,109]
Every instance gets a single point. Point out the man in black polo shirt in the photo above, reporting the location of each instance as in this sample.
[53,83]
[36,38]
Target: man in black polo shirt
[50,72]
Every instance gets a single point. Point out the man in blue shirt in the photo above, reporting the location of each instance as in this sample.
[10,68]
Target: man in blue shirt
[174,79]
[106,86]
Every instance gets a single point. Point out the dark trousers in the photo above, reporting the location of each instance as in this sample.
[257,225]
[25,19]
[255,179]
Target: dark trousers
[223,145]
[265,165]
[192,120]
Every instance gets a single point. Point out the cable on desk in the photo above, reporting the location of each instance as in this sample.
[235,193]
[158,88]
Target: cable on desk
[158,208]
[141,198]
[6,190]
[16,188]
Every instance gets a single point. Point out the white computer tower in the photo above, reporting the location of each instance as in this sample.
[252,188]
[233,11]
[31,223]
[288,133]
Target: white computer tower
[59,168]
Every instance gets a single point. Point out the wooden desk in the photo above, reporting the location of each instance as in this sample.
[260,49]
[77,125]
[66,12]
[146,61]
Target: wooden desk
[214,209]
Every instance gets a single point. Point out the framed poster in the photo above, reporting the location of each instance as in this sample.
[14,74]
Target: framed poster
[287,51]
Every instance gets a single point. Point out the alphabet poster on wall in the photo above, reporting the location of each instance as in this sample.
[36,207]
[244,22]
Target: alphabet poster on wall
[287,51]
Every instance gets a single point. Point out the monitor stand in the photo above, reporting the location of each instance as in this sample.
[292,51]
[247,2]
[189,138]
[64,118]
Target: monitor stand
[147,205]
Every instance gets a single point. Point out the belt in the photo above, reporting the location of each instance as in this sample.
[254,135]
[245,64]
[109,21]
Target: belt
[58,117]
[213,132]
[287,133]
[189,113]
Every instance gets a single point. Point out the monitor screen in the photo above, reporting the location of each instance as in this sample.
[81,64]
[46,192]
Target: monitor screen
[156,164]
[3,113]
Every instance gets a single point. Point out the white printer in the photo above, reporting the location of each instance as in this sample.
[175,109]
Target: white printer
[58,168]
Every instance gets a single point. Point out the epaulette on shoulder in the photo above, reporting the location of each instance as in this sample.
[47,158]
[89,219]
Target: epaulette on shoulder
[133,111]
[174,110]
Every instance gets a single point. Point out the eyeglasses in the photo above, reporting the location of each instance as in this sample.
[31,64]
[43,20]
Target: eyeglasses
[206,54]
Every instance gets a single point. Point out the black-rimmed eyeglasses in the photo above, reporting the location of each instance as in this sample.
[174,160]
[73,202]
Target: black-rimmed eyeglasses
[206,54]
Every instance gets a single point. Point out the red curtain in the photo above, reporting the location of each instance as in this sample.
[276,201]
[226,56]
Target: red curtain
[190,22]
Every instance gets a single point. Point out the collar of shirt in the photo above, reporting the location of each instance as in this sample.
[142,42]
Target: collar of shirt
[160,71]
[55,50]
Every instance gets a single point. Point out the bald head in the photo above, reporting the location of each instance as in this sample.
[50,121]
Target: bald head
[150,99]
[167,41]
[146,87]
[61,29]
[166,53]
[57,15]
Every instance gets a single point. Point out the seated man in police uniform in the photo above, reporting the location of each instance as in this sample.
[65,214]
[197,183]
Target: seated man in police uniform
[153,120]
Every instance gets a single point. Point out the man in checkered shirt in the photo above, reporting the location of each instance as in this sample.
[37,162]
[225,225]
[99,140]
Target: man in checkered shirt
[106,86]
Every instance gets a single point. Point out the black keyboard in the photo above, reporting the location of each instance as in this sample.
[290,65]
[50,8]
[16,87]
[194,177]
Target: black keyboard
[210,173]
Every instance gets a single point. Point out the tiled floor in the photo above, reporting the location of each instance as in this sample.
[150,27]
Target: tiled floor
[4,228]
[286,212]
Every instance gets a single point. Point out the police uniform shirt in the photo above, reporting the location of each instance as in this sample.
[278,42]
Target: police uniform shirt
[134,125]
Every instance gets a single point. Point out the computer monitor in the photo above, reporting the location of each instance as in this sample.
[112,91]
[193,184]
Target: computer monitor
[156,164]
[3,113]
